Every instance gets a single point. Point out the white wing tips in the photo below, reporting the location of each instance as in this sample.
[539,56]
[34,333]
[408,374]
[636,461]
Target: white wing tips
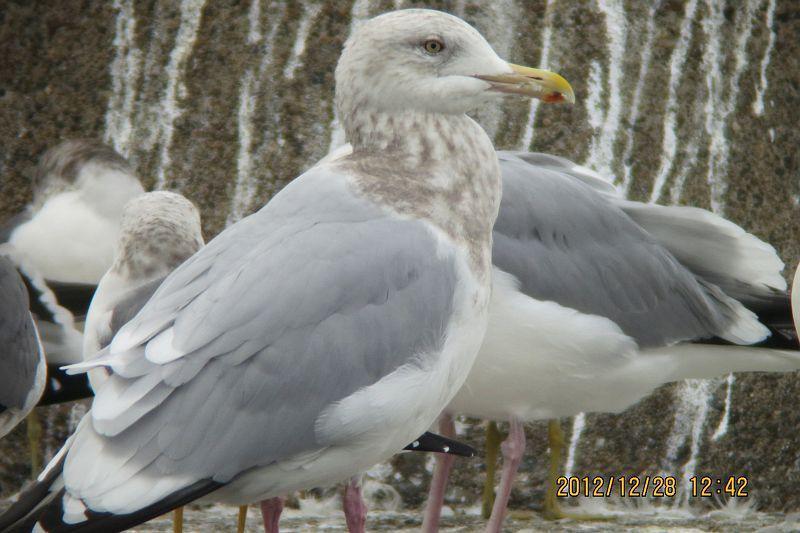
[744,327]
[710,244]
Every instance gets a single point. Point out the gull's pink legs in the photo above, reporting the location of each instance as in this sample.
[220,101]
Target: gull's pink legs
[355,510]
[513,449]
[444,463]
[271,510]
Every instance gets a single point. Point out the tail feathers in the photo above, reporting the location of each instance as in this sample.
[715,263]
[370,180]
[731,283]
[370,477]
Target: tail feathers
[50,519]
[713,248]
[742,325]
[774,312]
[44,503]
[699,361]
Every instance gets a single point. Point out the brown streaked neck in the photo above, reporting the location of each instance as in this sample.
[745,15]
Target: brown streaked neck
[434,166]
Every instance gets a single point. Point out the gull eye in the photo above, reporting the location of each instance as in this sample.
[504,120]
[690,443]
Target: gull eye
[433,46]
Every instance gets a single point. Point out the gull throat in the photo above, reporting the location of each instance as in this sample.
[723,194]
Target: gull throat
[435,166]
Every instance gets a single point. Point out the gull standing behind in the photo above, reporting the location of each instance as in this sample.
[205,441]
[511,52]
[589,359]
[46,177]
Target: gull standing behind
[323,333]
[63,242]
[22,365]
[590,312]
[158,231]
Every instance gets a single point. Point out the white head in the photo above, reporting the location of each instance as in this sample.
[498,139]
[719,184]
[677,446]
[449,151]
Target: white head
[431,62]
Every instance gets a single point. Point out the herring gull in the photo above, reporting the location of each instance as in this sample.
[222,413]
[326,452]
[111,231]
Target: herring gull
[595,302]
[159,231]
[323,333]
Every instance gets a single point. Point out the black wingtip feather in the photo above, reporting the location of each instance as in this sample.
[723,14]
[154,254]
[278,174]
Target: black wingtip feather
[431,442]
[62,387]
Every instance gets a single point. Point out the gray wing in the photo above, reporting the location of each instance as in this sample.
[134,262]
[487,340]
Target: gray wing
[713,248]
[567,243]
[562,165]
[248,341]
[19,346]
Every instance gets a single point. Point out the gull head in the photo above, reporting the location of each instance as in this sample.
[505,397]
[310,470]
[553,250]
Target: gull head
[431,62]
[102,178]
[159,230]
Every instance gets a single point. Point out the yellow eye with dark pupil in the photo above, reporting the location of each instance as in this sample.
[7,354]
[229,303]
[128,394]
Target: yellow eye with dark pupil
[432,46]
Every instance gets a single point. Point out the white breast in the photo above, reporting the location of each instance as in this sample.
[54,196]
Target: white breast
[68,240]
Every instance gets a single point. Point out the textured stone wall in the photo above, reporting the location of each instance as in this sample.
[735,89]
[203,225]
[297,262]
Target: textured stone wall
[684,101]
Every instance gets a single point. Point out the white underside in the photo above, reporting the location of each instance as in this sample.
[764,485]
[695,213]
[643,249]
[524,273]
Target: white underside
[540,361]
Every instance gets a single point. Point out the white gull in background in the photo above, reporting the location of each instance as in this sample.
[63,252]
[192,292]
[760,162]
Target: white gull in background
[326,331]
[595,301]
[69,230]
[63,242]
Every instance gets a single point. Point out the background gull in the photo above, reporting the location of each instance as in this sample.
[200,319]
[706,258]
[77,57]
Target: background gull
[590,311]
[326,331]
[69,230]
[158,231]
[22,365]
[63,242]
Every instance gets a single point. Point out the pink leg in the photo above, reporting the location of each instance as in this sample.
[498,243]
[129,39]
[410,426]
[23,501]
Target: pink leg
[271,513]
[513,449]
[444,463]
[355,510]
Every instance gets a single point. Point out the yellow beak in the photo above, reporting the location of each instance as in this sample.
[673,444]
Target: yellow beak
[536,83]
